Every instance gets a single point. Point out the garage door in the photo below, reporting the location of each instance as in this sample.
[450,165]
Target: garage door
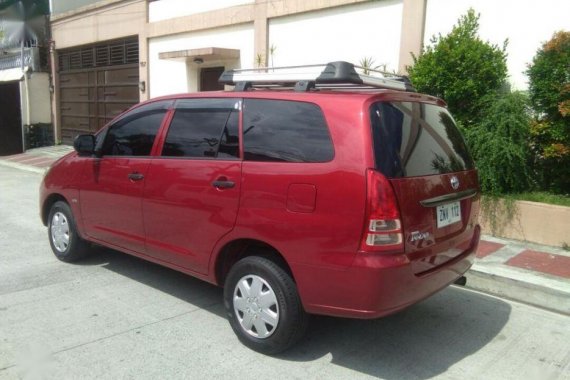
[96,83]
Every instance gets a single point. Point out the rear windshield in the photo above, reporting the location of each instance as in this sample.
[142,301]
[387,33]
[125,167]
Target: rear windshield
[416,139]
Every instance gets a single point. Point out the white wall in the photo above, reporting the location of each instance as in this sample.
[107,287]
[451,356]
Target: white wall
[165,9]
[178,76]
[348,33]
[527,24]
[39,95]
[117,20]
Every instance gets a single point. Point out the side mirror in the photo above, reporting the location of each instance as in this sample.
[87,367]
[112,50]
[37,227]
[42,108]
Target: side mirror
[84,145]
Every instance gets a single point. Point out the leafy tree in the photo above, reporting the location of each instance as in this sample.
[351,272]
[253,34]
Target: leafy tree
[499,144]
[549,89]
[461,69]
[549,75]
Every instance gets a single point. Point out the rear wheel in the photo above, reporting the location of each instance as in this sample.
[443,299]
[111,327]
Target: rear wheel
[64,239]
[263,305]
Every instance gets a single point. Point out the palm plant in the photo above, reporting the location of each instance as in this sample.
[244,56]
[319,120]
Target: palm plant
[272,50]
[259,60]
[367,64]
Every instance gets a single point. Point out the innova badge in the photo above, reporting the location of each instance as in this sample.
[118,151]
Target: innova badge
[454,182]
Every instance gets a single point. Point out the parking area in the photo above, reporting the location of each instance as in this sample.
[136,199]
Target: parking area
[116,316]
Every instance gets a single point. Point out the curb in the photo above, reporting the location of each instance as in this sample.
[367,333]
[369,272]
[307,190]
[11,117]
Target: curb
[514,284]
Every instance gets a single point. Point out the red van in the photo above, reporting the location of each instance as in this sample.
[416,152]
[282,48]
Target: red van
[300,193]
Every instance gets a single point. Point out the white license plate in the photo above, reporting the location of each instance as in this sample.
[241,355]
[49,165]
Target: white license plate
[448,214]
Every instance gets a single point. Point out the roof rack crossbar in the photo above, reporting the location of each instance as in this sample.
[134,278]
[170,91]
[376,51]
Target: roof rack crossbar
[305,78]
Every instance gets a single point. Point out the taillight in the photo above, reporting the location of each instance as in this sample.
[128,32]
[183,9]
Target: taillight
[383,227]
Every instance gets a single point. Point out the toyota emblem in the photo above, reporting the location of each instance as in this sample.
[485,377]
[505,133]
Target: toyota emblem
[454,182]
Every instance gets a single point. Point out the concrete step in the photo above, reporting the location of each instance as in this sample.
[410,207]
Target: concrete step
[531,288]
[534,274]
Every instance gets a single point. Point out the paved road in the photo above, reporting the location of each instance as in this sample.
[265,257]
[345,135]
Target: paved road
[115,316]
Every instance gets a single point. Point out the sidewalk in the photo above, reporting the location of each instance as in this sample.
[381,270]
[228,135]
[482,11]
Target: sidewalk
[36,160]
[531,273]
[535,274]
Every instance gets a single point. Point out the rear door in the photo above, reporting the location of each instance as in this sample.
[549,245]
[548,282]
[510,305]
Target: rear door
[192,190]
[421,150]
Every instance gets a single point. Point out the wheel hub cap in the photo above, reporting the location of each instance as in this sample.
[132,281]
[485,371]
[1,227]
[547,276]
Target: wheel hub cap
[59,229]
[255,306]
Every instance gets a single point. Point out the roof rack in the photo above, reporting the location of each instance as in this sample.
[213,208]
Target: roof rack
[333,75]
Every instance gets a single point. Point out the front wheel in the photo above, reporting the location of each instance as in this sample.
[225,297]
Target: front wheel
[64,239]
[263,305]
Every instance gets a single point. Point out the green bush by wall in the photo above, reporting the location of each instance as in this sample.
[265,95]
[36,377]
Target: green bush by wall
[461,69]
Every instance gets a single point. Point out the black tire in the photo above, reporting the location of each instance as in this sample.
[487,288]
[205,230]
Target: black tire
[76,248]
[292,318]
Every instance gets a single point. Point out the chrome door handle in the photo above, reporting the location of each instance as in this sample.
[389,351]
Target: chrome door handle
[136,176]
[223,184]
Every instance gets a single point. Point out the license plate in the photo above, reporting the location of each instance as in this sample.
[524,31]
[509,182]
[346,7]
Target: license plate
[448,214]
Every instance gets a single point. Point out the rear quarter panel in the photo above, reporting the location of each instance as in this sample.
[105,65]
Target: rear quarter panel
[328,234]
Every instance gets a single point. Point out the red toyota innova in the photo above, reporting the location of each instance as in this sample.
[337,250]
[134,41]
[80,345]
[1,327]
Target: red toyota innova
[333,193]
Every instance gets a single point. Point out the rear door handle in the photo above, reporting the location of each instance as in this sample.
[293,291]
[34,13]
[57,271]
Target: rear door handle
[136,176]
[443,199]
[223,184]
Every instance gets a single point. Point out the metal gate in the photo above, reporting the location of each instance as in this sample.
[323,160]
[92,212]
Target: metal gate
[96,83]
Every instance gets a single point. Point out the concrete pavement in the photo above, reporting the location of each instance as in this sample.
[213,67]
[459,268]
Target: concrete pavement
[115,316]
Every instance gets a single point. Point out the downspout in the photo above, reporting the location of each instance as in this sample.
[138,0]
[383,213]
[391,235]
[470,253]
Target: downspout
[24,72]
[22,37]
[28,105]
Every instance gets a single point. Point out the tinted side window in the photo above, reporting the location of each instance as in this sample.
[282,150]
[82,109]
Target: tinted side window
[204,128]
[277,130]
[416,139]
[134,133]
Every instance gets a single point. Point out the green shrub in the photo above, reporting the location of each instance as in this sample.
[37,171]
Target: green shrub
[549,75]
[461,69]
[549,89]
[499,144]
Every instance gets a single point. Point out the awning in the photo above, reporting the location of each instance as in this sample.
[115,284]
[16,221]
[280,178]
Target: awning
[202,54]
[10,75]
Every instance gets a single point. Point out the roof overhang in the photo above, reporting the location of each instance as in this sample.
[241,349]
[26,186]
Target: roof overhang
[201,55]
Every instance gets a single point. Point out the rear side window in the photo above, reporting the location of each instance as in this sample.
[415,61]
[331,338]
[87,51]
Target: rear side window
[286,131]
[134,133]
[204,128]
[416,139]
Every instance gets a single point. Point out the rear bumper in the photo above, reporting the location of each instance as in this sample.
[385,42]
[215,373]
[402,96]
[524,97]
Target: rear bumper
[376,285]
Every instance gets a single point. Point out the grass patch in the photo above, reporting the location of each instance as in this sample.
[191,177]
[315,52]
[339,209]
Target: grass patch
[543,197]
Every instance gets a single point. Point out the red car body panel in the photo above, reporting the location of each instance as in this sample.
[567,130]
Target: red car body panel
[111,203]
[184,215]
[313,214]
